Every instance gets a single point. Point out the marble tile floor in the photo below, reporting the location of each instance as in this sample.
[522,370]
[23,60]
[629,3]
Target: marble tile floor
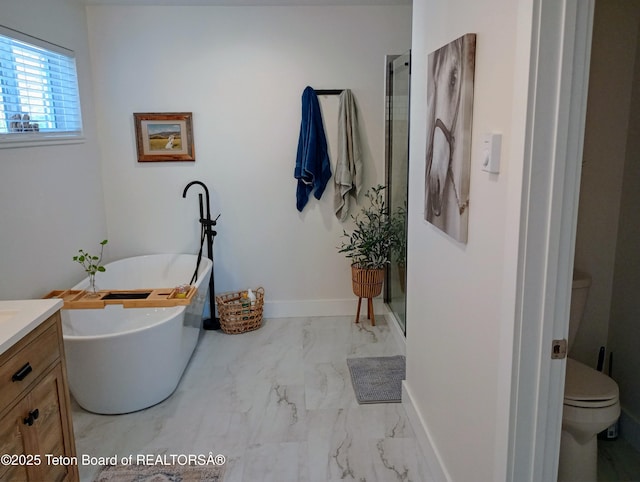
[618,461]
[278,403]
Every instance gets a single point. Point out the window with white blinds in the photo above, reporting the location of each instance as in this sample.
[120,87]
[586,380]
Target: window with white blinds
[39,97]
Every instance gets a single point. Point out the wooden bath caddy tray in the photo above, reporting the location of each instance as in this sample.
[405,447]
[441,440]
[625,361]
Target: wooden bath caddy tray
[145,298]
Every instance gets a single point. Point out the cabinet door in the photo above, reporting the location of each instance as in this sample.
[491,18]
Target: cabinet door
[12,443]
[49,434]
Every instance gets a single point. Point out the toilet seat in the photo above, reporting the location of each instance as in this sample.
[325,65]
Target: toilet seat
[588,388]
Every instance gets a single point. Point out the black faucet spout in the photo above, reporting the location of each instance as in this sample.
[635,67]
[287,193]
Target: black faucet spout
[200,183]
[206,192]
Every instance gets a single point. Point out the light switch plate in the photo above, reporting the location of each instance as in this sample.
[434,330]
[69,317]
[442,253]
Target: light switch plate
[491,146]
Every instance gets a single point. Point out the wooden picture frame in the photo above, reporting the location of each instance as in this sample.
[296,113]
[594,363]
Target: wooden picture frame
[164,136]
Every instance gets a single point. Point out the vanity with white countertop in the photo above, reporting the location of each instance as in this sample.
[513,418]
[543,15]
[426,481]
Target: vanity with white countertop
[36,432]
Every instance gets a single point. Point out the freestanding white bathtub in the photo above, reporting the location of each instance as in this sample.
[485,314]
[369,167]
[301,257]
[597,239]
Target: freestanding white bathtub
[121,360]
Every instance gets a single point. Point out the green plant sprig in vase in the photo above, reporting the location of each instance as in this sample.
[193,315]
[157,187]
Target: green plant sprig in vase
[92,265]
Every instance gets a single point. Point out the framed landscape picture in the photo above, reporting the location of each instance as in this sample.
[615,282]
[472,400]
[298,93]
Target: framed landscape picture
[164,136]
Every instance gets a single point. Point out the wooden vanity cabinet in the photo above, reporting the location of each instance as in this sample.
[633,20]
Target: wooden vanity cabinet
[35,418]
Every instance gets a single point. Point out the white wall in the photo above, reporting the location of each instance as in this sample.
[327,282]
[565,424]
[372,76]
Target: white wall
[51,201]
[624,326]
[241,71]
[458,336]
[613,55]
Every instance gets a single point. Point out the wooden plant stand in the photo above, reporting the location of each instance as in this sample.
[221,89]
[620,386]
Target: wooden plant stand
[370,314]
[140,298]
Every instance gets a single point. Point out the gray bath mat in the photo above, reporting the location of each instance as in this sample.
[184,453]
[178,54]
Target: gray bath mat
[377,379]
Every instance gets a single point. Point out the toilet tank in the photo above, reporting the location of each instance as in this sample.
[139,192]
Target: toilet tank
[579,292]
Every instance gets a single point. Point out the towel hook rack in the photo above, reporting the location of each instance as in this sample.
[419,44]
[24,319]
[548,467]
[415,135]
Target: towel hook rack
[328,91]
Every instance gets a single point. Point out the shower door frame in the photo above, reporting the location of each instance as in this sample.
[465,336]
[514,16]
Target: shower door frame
[389,90]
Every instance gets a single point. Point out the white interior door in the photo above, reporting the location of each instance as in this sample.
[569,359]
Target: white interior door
[558,76]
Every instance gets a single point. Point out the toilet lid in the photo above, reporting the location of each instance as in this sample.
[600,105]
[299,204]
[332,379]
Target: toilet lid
[586,387]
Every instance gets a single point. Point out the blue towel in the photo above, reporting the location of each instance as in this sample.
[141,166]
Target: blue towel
[313,169]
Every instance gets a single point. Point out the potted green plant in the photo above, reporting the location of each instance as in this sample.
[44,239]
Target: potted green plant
[91,264]
[370,244]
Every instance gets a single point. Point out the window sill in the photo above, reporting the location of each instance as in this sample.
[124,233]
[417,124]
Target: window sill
[40,142]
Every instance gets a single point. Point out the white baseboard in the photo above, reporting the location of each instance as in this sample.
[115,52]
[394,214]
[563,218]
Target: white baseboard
[437,471]
[306,308]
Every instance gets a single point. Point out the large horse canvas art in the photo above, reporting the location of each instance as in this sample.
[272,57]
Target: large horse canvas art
[450,73]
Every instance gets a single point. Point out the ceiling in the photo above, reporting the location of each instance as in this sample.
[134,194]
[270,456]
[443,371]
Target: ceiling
[247,2]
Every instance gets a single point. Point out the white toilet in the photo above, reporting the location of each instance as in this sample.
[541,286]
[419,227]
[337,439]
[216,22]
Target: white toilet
[591,402]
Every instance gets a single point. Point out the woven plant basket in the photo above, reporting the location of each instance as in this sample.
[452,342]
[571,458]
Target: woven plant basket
[235,318]
[367,283]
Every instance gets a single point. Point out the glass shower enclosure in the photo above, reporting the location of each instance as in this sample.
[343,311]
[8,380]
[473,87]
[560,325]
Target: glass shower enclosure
[397,171]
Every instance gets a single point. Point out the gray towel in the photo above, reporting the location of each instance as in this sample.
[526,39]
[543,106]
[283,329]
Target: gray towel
[348,172]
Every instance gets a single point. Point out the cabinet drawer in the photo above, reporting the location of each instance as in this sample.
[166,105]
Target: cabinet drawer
[24,363]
